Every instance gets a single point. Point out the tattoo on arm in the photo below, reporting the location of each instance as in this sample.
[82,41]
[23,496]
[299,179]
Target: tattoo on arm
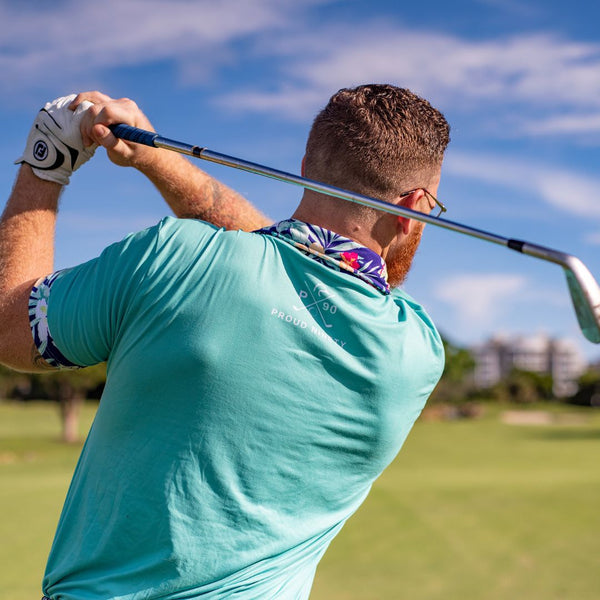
[212,201]
[210,205]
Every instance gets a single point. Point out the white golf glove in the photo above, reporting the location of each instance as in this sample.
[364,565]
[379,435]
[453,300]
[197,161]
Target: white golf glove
[54,146]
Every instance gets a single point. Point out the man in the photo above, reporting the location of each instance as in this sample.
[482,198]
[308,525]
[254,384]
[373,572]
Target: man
[258,381]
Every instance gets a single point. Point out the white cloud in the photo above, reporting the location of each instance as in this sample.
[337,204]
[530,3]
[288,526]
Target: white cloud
[542,71]
[288,102]
[564,124]
[478,300]
[72,38]
[568,191]
[307,55]
[476,306]
[592,238]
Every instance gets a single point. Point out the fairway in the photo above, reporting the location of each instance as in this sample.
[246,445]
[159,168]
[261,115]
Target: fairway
[469,510]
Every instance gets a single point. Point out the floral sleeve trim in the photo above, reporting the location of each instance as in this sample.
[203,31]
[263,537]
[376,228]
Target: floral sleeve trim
[38,321]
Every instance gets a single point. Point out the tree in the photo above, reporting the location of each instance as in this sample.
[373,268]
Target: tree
[69,388]
[456,384]
[588,393]
[524,387]
[14,384]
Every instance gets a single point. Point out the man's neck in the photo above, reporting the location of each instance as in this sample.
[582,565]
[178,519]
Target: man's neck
[341,224]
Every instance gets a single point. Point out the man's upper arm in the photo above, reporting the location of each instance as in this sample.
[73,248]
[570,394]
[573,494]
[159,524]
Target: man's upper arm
[66,319]
[78,315]
[74,317]
[17,347]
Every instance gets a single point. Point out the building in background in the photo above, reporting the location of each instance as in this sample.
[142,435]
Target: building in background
[561,359]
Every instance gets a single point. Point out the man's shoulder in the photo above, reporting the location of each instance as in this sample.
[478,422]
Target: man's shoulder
[195,238]
[409,305]
[191,232]
[174,224]
[195,227]
[401,297]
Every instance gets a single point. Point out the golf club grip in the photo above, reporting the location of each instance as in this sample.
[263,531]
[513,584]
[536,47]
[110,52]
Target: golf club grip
[133,134]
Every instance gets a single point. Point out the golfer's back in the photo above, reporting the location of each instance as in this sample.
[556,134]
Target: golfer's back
[253,395]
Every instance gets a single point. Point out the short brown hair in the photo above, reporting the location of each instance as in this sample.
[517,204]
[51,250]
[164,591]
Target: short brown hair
[374,139]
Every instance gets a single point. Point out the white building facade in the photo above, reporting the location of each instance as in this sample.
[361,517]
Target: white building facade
[540,354]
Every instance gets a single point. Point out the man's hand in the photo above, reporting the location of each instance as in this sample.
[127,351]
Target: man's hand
[54,146]
[105,111]
[190,192]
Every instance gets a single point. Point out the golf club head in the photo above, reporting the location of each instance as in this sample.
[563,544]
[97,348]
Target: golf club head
[584,290]
[585,295]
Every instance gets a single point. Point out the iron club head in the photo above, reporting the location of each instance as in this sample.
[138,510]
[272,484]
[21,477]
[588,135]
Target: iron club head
[585,296]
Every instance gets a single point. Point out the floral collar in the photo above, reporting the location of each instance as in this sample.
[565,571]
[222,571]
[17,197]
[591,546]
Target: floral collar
[333,250]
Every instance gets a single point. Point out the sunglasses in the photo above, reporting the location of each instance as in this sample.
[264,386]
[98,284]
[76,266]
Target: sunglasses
[440,206]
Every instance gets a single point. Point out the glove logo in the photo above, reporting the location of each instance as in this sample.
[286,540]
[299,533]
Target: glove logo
[40,150]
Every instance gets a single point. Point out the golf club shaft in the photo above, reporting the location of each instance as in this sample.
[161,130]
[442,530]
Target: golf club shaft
[149,138]
[584,290]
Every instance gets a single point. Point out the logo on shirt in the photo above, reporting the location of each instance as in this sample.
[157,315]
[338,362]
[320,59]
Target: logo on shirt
[319,303]
[317,300]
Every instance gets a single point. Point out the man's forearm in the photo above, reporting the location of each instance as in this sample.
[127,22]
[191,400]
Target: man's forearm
[27,229]
[192,193]
[26,254]
[189,192]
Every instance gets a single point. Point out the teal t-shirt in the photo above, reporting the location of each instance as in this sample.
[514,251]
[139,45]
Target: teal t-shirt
[253,396]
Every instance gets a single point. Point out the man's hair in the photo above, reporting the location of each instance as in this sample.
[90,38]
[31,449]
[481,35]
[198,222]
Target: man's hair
[376,140]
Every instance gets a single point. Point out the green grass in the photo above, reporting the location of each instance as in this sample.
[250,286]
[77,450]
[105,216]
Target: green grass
[469,510]
[477,510]
[35,470]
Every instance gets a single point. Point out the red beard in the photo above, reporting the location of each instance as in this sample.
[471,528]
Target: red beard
[399,260]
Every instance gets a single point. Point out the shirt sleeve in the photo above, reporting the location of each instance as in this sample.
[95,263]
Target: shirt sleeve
[38,321]
[75,314]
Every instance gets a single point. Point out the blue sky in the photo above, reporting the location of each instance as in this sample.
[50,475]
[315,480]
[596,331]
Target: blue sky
[518,81]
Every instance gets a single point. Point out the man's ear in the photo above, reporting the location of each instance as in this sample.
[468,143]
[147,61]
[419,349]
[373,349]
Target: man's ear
[409,201]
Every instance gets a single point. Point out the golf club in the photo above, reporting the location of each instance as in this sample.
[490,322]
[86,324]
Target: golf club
[584,290]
